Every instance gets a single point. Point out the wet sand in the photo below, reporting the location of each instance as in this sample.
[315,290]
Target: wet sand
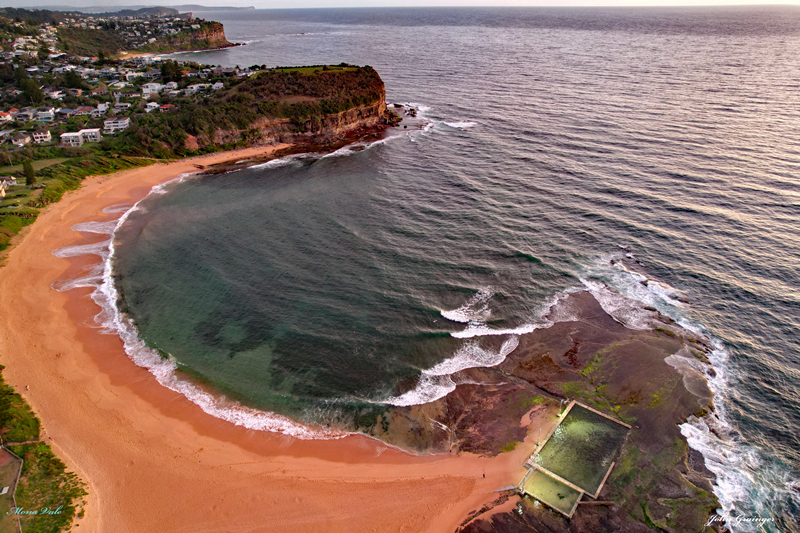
[152,460]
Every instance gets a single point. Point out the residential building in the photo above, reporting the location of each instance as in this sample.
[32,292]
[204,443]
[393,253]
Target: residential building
[83,111]
[91,135]
[166,108]
[42,136]
[150,88]
[115,125]
[26,115]
[21,139]
[151,106]
[196,88]
[73,139]
[75,92]
[100,111]
[46,114]
[5,117]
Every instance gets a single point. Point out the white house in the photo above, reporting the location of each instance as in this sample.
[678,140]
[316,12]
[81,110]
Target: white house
[171,86]
[151,106]
[91,135]
[46,114]
[72,139]
[100,111]
[42,136]
[217,86]
[149,88]
[196,88]
[116,125]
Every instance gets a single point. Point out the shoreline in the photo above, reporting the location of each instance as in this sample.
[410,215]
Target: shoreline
[137,444]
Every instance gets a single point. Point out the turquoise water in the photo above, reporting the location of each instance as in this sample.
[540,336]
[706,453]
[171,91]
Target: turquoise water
[560,139]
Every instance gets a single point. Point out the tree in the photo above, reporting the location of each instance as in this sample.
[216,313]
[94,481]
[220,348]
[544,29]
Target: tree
[30,174]
[73,80]
[171,71]
[20,74]
[44,52]
[32,91]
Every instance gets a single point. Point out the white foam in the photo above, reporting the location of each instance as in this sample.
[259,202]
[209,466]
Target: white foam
[104,228]
[626,311]
[472,355]
[478,329]
[117,208]
[98,248]
[437,381]
[461,125]
[281,161]
[428,389]
[476,308]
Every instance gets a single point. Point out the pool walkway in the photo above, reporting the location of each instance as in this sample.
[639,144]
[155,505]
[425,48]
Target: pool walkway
[575,458]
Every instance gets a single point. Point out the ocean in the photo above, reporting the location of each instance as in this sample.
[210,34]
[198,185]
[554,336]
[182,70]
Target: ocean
[556,141]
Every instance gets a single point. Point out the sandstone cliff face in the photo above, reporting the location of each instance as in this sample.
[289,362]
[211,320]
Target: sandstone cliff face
[210,35]
[324,129]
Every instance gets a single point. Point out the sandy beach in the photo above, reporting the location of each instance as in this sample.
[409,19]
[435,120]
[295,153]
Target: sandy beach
[152,460]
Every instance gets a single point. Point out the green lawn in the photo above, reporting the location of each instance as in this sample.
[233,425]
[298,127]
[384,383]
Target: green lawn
[37,165]
[314,70]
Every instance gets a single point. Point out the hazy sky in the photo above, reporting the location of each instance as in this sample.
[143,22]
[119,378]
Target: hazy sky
[392,3]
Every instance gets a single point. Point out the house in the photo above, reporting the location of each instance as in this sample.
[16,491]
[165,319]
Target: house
[107,72]
[26,115]
[122,106]
[46,114]
[217,86]
[115,125]
[55,94]
[74,139]
[5,117]
[83,111]
[166,108]
[196,88]
[171,86]
[151,106]
[100,90]
[75,92]
[150,88]
[65,112]
[91,135]
[21,140]
[174,94]
[100,111]
[42,136]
